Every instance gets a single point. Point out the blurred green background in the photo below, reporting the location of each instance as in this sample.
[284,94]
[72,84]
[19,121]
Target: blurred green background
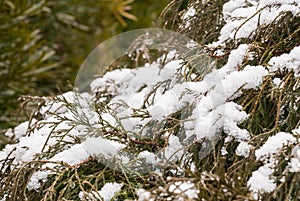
[43,42]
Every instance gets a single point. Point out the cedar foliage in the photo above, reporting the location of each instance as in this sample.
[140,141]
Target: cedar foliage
[217,177]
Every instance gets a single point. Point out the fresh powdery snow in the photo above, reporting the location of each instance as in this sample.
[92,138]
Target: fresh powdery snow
[148,95]
[261,180]
[107,192]
[274,144]
[186,187]
[243,17]
[290,62]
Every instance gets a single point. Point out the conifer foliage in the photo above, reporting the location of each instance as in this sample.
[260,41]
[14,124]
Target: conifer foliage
[227,134]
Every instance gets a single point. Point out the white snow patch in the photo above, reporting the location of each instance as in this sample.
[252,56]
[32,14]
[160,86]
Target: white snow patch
[243,149]
[260,181]
[274,144]
[107,192]
[290,62]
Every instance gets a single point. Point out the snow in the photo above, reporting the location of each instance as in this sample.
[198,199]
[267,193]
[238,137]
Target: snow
[187,188]
[21,130]
[214,110]
[108,81]
[169,154]
[164,106]
[107,192]
[189,13]
[96,147]
[244,17]
[278,82]
[186,17]
[230,6]
[182,190]
[150,158]
[144,195]
[260,181]
[27,147]
[174,150]
[237,56]
[294,165]
[296,131]
[36,179]
[274,144]
[290,62]
[243,149]
[153,92]
[56,106]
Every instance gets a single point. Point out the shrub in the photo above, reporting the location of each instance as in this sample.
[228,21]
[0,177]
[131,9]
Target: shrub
[249,118]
